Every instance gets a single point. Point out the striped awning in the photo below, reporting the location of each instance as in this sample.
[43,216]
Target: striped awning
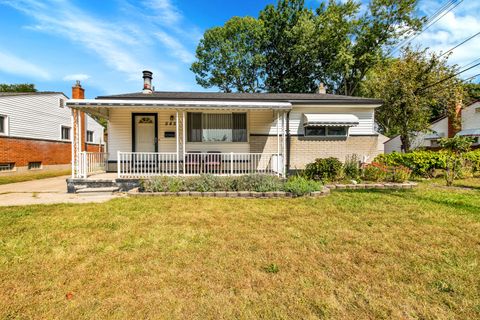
[330,119]
[469,133]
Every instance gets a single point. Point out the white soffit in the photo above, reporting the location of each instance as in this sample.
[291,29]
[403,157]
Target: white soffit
[174,104]
[330,119]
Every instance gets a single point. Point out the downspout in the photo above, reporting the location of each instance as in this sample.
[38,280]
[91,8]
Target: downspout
[288,143]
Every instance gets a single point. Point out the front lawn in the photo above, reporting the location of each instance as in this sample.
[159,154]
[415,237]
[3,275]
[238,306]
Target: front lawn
[351,255]
[34,175]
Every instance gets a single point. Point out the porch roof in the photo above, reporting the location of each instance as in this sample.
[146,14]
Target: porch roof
[177,104]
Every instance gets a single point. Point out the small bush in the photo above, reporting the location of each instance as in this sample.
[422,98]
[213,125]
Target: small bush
[375,172]
[328,169]
[300,186]
[257,183]
[351,167]
[271,268]
[399,174]
[422,163]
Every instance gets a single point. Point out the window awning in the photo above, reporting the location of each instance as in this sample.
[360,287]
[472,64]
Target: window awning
[469,133]
[434,136]
[330,119]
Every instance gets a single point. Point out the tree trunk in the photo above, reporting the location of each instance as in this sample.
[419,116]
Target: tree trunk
[405,139]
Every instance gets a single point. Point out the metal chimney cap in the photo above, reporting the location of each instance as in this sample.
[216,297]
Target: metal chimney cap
[147,74]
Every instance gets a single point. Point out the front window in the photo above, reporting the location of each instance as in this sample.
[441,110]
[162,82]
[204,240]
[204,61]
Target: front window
[326,131]
[65,133]
[3,124]
[89,136]
[217,127]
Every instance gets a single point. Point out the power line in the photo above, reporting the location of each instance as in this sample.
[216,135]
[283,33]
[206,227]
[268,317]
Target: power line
[448,6]
[472,77]
[461,43]
[450,77]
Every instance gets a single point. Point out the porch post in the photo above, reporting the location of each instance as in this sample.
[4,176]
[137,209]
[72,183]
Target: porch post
[72,142]
[278,142]
[178,142]
[184,141]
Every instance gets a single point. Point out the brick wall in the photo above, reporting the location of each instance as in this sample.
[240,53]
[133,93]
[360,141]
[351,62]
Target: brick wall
[23,151]
[303,151]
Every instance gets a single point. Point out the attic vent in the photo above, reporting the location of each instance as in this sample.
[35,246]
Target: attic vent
[62,103]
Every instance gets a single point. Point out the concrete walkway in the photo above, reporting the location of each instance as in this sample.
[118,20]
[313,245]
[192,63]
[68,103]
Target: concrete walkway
[46,191]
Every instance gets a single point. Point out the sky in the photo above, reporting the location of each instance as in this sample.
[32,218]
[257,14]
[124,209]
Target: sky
[106,44]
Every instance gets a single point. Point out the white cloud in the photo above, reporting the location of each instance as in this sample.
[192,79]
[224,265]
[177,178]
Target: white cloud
[455,27]
[164,10]
[76,76]
[177,49]
[14,65]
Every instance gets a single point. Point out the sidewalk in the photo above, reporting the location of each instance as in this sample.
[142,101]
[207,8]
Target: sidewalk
[46,191]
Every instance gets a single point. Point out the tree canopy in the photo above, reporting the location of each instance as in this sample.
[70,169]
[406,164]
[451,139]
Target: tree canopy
[416,88]
[291,48]
[20,87]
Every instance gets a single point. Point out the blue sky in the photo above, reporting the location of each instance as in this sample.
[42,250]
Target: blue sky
[107,44]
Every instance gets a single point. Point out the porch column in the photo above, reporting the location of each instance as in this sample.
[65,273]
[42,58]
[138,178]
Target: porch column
[184,139]
[178,142]
[278,142]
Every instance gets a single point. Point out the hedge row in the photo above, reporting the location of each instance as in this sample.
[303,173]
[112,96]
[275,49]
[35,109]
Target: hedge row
[424,163]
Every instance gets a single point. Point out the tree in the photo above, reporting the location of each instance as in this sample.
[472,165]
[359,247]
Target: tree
[230,58]
[472,93]
[293,47]
[20,87]
[414,88]
[455,148]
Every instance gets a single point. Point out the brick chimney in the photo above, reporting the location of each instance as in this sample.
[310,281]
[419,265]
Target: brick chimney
[147,82]
[79,93]
[455,121]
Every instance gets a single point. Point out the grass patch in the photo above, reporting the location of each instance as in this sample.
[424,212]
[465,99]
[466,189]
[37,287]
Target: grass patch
[352,255]
[33,176]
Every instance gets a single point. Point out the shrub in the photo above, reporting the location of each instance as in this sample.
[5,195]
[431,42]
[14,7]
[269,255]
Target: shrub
[208,183]
[300,186]
[399,174]
[472,159]
[258,183]
[328,169]
[422,163]
[351,167]
[163,184]
[375,172]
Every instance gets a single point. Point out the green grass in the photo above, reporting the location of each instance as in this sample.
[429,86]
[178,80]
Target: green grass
[352,255]
[32,176]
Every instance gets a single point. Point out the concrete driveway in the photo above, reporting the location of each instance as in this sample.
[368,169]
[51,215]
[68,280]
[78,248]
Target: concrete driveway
[46,191]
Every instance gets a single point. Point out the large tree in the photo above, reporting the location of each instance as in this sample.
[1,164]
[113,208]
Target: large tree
[230,57]
[415,88]
[291,48]
[20,87]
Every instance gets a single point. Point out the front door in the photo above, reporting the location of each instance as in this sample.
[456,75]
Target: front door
[145,132]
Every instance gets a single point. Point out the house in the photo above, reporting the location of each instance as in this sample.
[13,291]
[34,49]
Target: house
[471,122]
[36,132]
[442,128]
[160,133]
[438,129]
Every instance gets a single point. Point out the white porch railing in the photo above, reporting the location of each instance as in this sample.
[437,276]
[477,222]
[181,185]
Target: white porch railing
[143,164]
[91,163]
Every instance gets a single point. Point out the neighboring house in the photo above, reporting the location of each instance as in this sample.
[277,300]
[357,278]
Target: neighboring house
[471,122]
[160,133]
[429,140]
[442,128]
[36,132]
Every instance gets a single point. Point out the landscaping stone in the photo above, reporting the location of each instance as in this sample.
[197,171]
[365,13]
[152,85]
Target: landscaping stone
[330,186]
[351,186]
[208,194]
[244,194]
[195,194]
[220,194]
[183,193]
[269,194]
[341,186]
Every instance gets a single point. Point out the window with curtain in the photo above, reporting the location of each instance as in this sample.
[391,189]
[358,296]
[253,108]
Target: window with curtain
[217,127]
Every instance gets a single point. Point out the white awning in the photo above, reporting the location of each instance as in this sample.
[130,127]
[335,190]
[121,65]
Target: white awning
[330,119]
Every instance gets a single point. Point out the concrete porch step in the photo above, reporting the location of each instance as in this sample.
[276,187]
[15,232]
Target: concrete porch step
[98,190]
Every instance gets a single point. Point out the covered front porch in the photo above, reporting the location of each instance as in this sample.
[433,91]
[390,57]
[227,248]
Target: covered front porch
[155,138]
